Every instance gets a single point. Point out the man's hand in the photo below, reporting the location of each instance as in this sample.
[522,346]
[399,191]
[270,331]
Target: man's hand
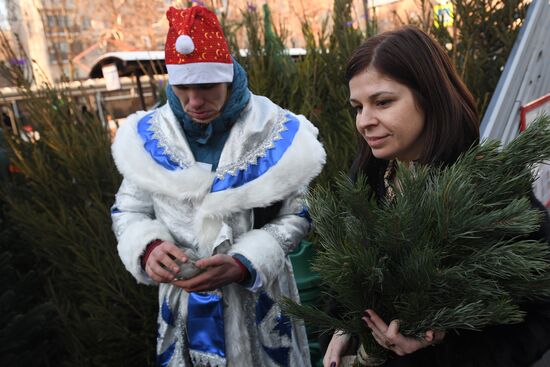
[160,265]
[220,270]
[389,337]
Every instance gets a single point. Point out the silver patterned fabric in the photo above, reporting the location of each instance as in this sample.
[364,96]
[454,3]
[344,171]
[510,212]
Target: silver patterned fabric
[156,203]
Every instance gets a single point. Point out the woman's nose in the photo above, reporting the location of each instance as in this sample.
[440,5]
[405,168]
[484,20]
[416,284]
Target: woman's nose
[366,118]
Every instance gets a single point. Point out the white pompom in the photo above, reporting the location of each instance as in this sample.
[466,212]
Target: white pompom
[185,45]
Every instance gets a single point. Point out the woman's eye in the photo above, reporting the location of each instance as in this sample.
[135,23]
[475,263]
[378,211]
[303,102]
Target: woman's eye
[383,102]
[357,109]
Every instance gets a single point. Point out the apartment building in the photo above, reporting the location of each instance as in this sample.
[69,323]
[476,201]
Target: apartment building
[64,37]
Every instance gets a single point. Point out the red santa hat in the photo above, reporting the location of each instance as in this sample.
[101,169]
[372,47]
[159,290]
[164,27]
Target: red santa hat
[196,51]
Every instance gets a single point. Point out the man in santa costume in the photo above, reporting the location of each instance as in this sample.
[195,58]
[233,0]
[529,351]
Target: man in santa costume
[211,203]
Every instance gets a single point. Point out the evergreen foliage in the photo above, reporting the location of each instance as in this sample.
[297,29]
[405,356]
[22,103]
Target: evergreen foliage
[59,207]
[451,251]
[29,334]
[480,41]
[313,84]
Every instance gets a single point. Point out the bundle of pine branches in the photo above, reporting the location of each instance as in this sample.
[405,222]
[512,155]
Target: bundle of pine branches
[450,251]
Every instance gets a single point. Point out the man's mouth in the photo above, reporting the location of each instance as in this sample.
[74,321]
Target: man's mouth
[204,115]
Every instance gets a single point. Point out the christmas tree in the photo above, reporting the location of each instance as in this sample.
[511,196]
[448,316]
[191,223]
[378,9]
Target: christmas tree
[58,205]
[450,251]
[30,335]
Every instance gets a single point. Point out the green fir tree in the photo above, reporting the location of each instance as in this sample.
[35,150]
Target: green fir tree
[58,206]
[30,333]
[312,84]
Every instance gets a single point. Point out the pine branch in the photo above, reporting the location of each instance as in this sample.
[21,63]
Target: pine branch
[450,252]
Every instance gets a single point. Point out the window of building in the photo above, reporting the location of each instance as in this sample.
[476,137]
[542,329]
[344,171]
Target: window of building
[86,22]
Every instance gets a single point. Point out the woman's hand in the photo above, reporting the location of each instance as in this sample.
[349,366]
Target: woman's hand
[337,346]
[388,336]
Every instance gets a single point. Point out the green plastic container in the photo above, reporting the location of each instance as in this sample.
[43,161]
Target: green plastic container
[307,282]
[306,279]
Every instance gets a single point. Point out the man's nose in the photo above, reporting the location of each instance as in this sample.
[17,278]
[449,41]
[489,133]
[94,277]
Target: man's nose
[195,98]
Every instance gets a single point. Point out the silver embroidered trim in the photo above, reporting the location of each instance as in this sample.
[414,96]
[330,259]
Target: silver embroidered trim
[174,154]
[216,292]
[204,359]
[184,359]
[276,233]
[260,151]
[250,322]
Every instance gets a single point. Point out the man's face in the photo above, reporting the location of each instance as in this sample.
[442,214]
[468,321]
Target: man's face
[202,102]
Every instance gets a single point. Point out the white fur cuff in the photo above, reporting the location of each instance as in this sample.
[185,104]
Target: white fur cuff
[133,242]
[263,251]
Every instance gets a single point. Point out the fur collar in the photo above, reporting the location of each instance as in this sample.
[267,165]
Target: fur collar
[251,136]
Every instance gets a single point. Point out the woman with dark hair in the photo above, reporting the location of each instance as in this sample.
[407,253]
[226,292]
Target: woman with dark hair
[412,107]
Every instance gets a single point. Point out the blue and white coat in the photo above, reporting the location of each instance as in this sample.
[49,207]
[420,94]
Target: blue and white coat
[271,155]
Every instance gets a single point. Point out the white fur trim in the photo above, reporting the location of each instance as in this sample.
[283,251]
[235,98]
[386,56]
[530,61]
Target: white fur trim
[300,164]
[263,251]
[137,165]
[234,297]
[200,73]
[134,240]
